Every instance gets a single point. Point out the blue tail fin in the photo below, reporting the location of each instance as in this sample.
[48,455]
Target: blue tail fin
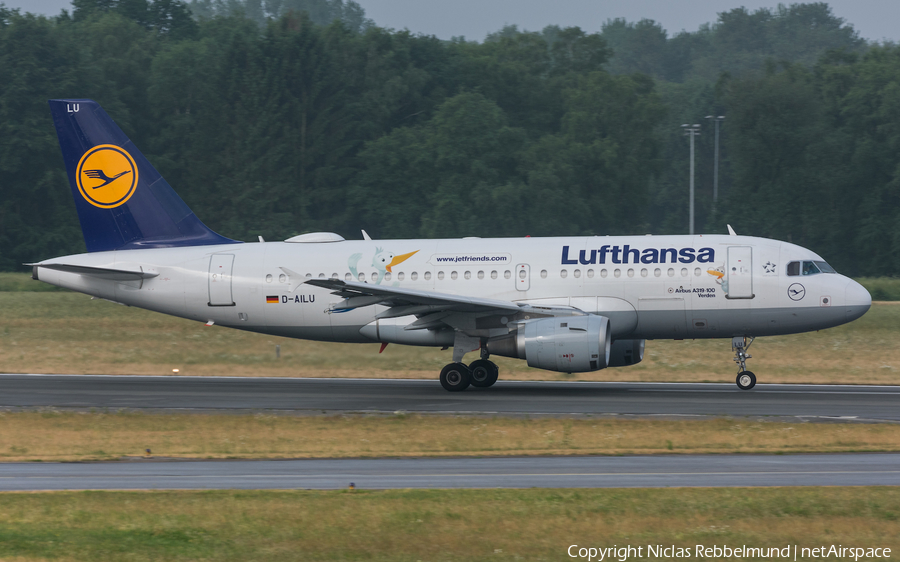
[122,201]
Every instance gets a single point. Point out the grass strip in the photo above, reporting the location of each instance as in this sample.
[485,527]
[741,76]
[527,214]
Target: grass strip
[22,282]
[68,436]
[882,288]
[70,333]
[429,525]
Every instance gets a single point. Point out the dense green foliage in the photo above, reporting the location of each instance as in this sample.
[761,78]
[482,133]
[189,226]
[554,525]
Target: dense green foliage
[274,118]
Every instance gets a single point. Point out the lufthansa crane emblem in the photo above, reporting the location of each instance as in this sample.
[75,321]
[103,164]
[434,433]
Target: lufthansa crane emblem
[106,176]
[796,292]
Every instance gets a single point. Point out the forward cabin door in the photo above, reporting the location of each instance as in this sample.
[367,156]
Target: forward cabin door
[739,273]
[220,266]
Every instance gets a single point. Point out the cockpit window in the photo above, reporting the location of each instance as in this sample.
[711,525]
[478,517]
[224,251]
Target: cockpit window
[793,268]
[824,267]
[808,268]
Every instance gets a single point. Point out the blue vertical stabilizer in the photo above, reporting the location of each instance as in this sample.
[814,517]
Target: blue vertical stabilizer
[122,201]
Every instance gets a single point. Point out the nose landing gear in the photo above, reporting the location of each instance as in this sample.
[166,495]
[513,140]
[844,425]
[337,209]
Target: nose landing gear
[745,379]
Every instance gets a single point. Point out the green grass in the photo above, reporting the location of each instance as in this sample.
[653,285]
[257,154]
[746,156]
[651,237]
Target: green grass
[430,525]
[71,333]
[22,282]
[81,436]
[882,288]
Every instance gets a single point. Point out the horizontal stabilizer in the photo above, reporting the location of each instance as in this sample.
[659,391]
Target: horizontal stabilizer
[98,272]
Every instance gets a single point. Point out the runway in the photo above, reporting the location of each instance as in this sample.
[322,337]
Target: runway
[542,472]
[860,403]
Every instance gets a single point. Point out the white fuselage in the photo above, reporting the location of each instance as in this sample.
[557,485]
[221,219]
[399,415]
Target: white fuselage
[650,287]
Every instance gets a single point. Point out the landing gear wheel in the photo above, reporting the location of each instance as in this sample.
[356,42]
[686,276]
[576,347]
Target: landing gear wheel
[746,380]
[484,373]
[740,344]
[455,377]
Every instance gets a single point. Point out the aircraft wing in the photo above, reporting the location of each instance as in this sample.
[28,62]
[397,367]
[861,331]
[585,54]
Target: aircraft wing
[403,302]
[434,311]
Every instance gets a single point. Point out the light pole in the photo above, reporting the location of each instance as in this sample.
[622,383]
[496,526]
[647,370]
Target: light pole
[716,119]
[692,131]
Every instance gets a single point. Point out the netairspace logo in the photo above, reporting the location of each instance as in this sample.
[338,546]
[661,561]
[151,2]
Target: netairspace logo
[790,552]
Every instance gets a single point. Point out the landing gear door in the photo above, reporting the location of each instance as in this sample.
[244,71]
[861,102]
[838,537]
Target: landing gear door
[220,266]
[523,277]
[739,273]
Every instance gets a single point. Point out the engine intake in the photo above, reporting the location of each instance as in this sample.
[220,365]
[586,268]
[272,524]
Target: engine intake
[572,344]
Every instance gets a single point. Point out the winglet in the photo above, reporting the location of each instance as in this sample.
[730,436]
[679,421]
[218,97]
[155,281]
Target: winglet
[731,231]
[366,236]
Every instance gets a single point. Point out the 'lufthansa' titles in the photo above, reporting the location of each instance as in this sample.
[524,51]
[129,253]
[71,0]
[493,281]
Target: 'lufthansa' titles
[626,254]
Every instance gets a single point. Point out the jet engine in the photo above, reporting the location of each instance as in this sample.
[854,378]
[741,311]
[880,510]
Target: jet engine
[626,352]
[572,344]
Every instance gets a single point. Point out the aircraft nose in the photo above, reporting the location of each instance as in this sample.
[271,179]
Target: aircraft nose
[857,300]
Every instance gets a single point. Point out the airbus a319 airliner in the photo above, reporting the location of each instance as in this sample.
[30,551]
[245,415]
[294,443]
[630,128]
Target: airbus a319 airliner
[566,304]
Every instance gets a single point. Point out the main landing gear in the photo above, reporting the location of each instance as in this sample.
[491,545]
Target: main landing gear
[482,373]
[745,379]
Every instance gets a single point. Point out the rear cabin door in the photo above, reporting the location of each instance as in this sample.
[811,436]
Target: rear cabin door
[739,273]
[220,266]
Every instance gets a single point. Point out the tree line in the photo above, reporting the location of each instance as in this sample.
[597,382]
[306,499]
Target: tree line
[273,118]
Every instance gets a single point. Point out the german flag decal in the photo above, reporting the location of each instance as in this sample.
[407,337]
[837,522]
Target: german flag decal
[272,300]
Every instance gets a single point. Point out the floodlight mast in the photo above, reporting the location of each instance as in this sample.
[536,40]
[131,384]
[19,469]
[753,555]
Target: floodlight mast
[716,119]
[691,131]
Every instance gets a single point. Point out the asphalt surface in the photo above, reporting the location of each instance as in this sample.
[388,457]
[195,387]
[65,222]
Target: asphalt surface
[860,403]
[542,472]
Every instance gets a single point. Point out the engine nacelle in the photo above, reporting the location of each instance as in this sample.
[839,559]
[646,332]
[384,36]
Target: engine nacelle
[571,344]
[626,352]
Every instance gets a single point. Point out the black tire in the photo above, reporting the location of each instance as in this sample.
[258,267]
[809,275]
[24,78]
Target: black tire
[484,373]
[455,377]
[746,380]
